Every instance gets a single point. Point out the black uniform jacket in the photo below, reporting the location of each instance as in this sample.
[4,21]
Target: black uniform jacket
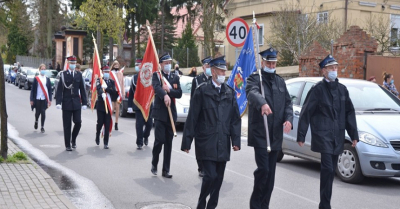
[278,99]
[197,81]
[34,91]
[329,111]
[110,89]
[132,91]
[214,121]
[70,99]
[160,111]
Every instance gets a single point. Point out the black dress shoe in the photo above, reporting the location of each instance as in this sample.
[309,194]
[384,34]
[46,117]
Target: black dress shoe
[166,175]
[68,149]
[139,147]
[116,126]
[36,125]
[97,141]
[146,141]
[154,170]
[201,174]
[42,130]
[74,146]
[105,146]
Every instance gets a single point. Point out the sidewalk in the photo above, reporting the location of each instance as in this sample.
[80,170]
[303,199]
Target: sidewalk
[244,125]
[28,186]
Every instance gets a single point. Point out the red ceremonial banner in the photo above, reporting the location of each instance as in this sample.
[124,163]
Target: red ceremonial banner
[144,93]
[96,71]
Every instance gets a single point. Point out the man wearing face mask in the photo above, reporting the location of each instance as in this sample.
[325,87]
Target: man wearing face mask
[118,77]
[277,105]
[165,96]
[41,96]
[177,71]
[70,96]
[214,121]
[199,79]
[107,89]
[329,111]
[142,136]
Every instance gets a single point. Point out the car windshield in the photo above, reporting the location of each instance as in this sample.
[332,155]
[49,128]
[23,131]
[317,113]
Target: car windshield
[32,72]
[51,73]
[186,84]
[371,97]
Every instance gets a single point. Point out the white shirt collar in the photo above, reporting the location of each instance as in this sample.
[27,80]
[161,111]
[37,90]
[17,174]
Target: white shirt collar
[215,84]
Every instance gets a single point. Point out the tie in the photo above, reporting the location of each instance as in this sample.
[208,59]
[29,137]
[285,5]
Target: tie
[218,89]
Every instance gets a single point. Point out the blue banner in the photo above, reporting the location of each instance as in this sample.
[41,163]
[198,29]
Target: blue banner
[245,65]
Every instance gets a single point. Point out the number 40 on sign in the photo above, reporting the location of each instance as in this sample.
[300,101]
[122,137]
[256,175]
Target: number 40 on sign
[236,32]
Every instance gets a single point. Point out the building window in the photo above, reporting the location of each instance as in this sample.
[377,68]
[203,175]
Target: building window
[261,35]
[394,32]
[322,17]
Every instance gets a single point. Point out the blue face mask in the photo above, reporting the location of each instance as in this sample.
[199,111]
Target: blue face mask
[208,71]
[42,72]
[137,68]
[106,76]
[392,81]
[167,68]
[269,70]
[72,66]
[332,75]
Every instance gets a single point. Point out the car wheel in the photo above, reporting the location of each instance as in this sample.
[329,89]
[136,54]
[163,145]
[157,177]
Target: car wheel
[122,112]
[348,167]
[19,85]
[26,87]
[280,156]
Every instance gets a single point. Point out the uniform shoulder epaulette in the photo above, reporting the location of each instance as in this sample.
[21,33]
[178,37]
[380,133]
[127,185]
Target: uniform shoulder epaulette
[202,84]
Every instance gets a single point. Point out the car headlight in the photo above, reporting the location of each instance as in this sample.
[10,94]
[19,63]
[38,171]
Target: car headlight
[371,139]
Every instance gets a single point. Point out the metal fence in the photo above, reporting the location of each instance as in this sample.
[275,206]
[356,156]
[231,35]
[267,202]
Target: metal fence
[34,62]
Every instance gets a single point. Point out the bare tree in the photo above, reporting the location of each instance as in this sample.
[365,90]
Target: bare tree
[293,30]
[379,27]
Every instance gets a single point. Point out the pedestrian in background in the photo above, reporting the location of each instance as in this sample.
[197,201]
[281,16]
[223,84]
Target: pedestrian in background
[142,136]
[193,72]
[277,105]
[70,96]
[41,96]
[372,79]
[214,121]
[388,83]
[78,68]
[165,96]
[115,99]
[329,111]
[104,90]
[177,71]
[197,81]
[58,67]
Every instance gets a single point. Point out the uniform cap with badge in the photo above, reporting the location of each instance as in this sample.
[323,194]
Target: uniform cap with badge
[71,59]
[219,63]
[328,61]
[270,55]
[165,57]
[206,60]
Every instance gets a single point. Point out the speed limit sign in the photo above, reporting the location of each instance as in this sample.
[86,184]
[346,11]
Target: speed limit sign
[236,32]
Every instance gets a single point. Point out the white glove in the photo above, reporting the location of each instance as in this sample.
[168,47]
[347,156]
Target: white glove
[130,110]
[58,106]
[84,107]
[104,85]
[104,96]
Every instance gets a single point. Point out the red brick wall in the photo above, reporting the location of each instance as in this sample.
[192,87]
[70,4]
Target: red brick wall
[349,50]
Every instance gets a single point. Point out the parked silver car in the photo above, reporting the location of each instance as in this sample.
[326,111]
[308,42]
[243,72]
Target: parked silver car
[378,122]
[182,104]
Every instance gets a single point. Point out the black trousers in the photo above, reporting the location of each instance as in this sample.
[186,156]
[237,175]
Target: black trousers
[264,178]
[140,122]
[103,119]
[40,106]
[75,116]
[328,167]
[212,181]
[163,135]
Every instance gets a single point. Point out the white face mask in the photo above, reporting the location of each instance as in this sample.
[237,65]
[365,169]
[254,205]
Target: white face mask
[221,79]
[167,68]
[332,75]
[269,70]
[208,71]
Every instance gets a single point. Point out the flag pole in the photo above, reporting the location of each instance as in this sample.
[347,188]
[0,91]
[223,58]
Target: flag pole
[261,84]
[101,75]
[161,79]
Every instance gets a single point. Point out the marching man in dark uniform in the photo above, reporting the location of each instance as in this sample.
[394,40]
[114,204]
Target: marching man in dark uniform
[329,110]
[201,78]
[105,92]
[165,95]
[277,105]
[70,96]
[214,121]
[142,136]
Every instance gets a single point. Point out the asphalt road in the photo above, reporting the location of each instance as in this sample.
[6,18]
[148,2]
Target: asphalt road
[123,175]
